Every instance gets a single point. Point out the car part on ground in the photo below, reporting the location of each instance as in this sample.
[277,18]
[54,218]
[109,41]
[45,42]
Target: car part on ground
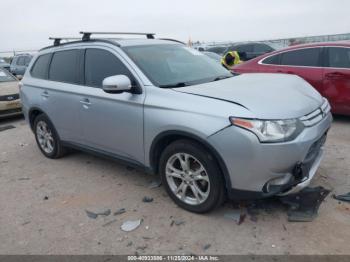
[344,197]
[169,109]
[303,206]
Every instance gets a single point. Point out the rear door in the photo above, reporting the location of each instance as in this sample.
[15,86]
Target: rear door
[336,80]
[60,95]
[306,63]
[112,123]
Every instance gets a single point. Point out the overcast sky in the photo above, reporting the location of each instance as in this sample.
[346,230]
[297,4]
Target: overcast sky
[26,24]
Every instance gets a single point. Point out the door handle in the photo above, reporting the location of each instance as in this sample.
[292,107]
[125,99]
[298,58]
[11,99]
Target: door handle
[85,101]
[45,94]
[335,75]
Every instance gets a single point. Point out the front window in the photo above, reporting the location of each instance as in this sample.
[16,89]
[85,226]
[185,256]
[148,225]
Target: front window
[6,77]
[170,65]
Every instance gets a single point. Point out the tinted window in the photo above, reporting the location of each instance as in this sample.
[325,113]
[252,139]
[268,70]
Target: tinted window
[27,60]
[21,61]
[304,57]
[100,64]
[64,67]
[272,60]
[261,48]
[243,48]
[339,57]
[40,67]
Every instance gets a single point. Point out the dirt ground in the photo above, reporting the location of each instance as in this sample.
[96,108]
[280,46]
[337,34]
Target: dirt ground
[43,203]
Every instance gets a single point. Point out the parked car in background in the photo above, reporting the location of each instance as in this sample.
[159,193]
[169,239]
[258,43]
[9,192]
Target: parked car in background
[326,66]
[20,63]
[10,104]
[171,110]
[213,56]
[249,50]
[4,64]
[220,50]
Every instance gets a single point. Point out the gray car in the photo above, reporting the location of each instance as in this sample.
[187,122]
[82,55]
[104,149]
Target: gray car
[20,63]
[173,111]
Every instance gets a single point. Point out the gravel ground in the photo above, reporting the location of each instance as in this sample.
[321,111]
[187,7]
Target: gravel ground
[43,203]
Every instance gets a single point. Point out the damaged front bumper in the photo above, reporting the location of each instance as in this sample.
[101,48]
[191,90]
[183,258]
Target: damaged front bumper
[260,170]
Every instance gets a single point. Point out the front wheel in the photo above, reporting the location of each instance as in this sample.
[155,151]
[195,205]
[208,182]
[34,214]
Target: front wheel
[191,176]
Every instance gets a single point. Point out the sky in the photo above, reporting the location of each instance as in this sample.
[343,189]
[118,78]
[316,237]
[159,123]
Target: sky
[27,24]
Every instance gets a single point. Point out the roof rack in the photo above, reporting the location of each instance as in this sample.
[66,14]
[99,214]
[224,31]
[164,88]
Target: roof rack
[57,40]
[86,35]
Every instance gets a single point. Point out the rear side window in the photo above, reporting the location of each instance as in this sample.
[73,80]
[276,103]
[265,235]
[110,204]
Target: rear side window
[243,48]
[339,57]
[21,61]
[65,67]
[303,57]
[262,48]
[100,64]
[40,68]
[27,60]
[272,60]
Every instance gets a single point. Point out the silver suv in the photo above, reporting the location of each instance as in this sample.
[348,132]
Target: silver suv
[170,110]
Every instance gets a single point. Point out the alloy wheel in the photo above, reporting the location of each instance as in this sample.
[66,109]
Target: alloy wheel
[187,178]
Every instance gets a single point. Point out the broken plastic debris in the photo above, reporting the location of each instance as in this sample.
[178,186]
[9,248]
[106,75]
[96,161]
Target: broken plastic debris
[345,197]
[236,215]
[95,215]
[147,199]
[303,206]
[119,211]
[155,183]
[130,225]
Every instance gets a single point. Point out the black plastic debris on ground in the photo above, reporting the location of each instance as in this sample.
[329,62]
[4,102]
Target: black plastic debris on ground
[344,197]
[7,127]
[95,215]
[119,211]
[147,199]
[303,206]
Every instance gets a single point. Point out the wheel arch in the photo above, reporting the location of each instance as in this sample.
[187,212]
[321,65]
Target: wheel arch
[163,139]
[32,114]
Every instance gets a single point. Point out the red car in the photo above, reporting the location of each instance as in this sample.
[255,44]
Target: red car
[326,66]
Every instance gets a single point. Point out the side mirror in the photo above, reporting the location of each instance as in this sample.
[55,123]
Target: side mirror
[116,84]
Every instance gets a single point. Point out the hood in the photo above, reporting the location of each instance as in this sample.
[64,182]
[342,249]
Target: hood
[267,96]
[9,88]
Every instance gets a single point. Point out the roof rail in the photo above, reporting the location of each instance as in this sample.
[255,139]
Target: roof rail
[174,40]
[57,40]
[87,35]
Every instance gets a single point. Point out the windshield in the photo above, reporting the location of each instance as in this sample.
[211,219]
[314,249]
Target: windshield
[170,65]
[5,77]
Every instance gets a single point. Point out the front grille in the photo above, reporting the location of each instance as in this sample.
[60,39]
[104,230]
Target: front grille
[10,111]
[9,97]
[316,116]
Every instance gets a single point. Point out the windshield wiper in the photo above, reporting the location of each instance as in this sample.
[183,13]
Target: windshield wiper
[221,78]
[180,84]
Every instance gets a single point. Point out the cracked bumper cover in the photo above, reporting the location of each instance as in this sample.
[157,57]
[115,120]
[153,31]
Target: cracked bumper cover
[252,165]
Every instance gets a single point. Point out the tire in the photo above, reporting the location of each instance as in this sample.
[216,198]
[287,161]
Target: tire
[53,148]
[208,183]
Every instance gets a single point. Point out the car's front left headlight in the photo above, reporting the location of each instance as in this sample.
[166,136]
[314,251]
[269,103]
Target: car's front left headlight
[270,130]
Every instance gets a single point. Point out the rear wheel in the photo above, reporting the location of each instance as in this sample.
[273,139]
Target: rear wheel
[47,138]
[191,176]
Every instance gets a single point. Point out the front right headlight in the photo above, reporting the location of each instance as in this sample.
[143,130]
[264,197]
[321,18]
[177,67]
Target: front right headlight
[270,130]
